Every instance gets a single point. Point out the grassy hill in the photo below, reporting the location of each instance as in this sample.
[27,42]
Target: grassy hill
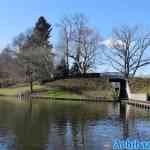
[95,87]
[17,89]
[81,87]
[140,85]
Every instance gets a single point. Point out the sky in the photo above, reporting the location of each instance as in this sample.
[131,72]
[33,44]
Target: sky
[19,15]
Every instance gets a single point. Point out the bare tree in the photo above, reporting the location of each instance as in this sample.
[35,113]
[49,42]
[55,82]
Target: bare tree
[80,42]
[128,50]
[79,24]
[66,28]
[9,69]
[87,51]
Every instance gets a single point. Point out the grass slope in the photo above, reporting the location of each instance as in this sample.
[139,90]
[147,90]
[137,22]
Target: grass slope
[140,85]
[81,88]
[15,90]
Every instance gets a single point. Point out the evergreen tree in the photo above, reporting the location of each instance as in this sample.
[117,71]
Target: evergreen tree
[41,34]
[35,52]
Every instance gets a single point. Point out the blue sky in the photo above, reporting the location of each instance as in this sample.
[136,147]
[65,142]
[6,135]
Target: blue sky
[18,15]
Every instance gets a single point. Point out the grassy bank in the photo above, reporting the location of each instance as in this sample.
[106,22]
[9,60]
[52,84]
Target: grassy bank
[140,85]
[92,87]
[79,88]
[17,89]
[68,88]
[59,93]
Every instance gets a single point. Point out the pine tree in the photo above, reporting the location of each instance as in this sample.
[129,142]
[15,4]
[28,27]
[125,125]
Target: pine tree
[41,34]
[36,52]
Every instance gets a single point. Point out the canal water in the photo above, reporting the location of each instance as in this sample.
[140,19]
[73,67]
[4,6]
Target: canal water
[63,125]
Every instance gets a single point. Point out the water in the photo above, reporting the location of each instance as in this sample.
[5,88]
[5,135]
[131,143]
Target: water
[51,125]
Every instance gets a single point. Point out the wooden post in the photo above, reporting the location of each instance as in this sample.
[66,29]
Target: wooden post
[31,86]
[29,75]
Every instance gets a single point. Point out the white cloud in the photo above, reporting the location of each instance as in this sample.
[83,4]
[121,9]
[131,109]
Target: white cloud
[108,43]
[111,43]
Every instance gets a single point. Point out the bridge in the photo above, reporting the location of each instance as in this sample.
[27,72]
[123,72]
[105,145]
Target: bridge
[139,100]
[140,104]
[125,92]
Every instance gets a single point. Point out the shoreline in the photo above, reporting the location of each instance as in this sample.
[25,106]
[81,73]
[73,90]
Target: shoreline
[73,99]
[102,99]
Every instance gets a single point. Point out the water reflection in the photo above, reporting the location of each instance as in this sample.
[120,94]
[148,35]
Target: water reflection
[50,125]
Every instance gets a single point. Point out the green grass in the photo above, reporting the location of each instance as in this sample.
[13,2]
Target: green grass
[79,88]
[63,94]
[94,87]
[15,90]
[82,87]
